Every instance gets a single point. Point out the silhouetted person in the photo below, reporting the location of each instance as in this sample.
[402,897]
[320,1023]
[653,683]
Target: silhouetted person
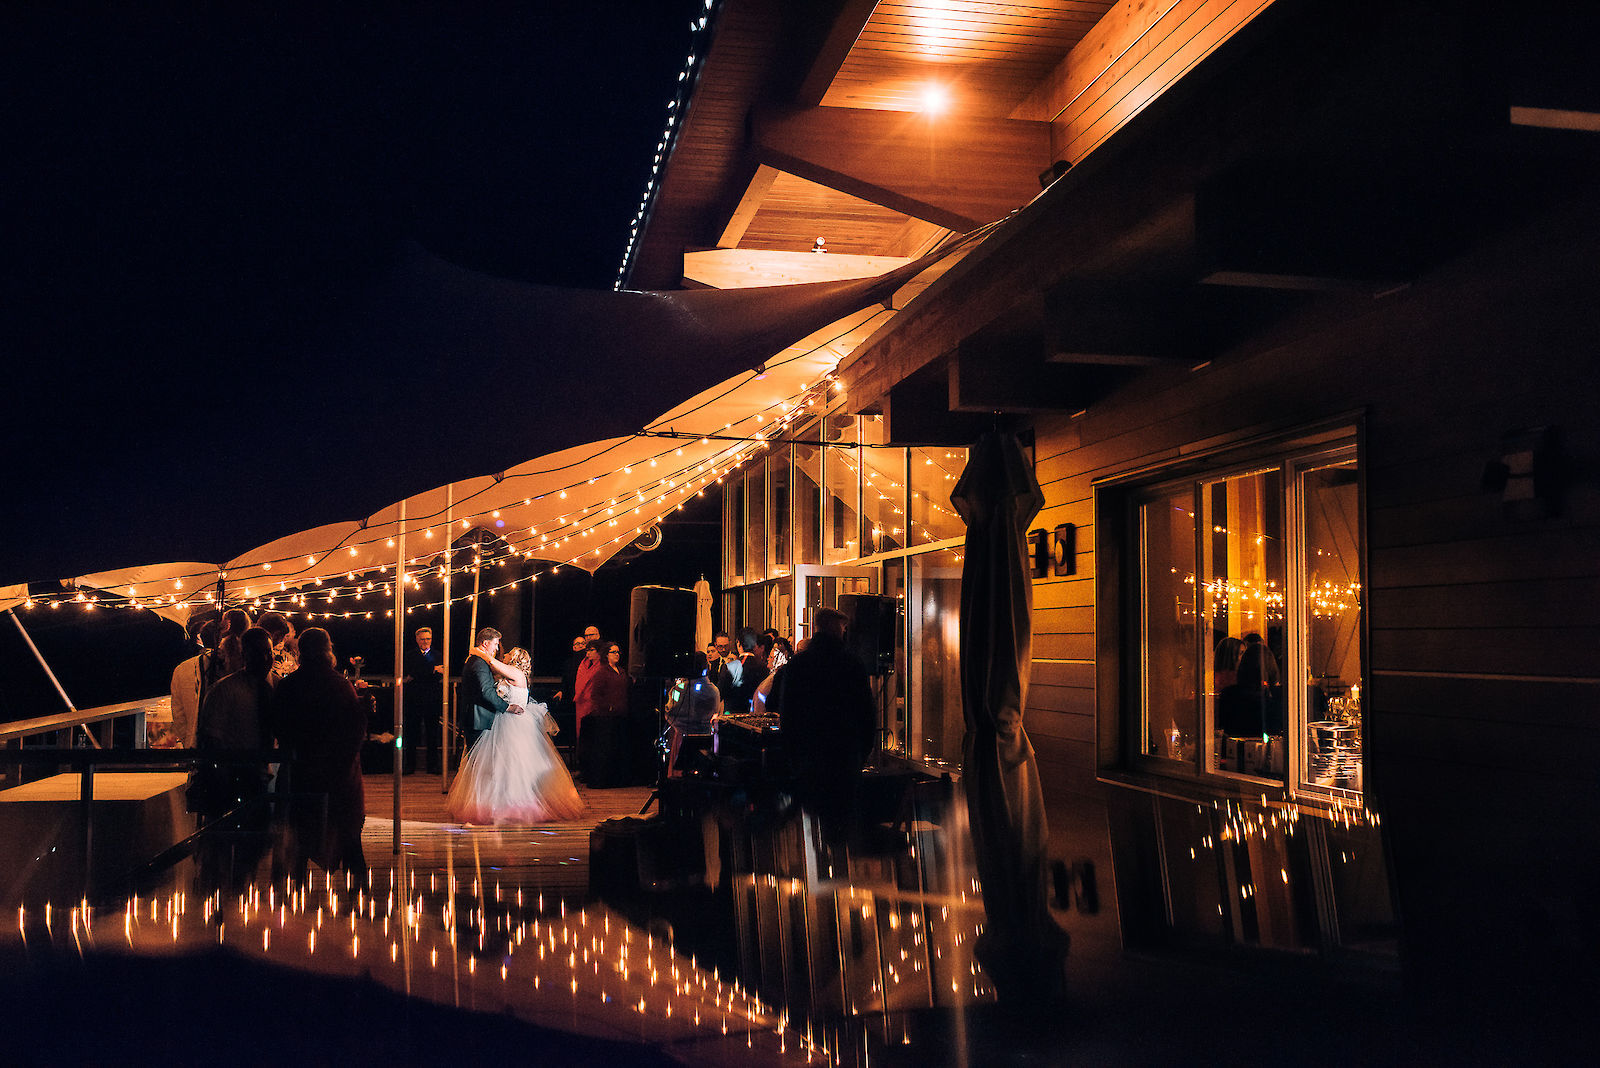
[424,696]
[236,716]
[192,679]
[1225,663]
[285,647]
[1253,706]
[319,717]
[742,675]
[235,621]
[567,697]
[823,698]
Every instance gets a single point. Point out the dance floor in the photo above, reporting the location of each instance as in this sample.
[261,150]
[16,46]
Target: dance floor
[552,857]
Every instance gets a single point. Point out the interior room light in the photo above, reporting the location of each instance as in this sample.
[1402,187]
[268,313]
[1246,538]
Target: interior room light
[935,99]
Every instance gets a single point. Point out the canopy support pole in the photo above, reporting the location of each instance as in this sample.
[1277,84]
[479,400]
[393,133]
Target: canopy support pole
[12,612]
[445,718]
[399,669]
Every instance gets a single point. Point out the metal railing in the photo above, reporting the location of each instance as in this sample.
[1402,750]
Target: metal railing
[102,719]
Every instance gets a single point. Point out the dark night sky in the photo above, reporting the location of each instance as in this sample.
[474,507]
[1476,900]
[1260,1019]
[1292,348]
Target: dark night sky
[193,201]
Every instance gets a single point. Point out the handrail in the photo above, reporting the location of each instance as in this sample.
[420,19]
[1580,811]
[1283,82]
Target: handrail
[67,720]
[107,758]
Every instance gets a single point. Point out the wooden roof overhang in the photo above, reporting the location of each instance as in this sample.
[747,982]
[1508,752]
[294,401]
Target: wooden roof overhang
[1232,162]
[808,121]
[1322,158]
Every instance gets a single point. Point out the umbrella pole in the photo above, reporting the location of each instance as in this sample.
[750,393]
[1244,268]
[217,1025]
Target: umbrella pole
[399,672]
[444,655]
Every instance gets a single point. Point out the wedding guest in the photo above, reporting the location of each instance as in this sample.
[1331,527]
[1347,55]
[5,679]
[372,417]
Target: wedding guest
[567,697]
[424,702]
[824,702]
[692,709]
[779,649]
[236,716]
[609,691]
[236,712]
[285,654]
[191,681]
[319,717]
[741,676]
[584,697]
[235,621]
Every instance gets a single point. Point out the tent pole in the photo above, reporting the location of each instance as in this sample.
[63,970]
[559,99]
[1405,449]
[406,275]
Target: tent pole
[12,612]
[399,670]
[444,691]
[472,629]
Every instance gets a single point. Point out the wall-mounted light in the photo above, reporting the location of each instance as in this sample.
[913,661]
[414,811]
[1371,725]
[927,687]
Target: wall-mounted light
[1530,474]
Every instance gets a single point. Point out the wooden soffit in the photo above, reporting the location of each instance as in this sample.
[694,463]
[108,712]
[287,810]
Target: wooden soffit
[958,172]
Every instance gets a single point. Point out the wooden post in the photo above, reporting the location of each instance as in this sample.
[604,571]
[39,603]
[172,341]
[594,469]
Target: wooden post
[86,806]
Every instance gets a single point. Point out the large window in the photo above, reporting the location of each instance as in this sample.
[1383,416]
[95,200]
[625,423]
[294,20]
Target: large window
[1246,635]
[883,490]
[841,468]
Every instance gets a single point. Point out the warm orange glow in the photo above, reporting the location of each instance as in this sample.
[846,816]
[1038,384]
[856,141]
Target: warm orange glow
[935,99]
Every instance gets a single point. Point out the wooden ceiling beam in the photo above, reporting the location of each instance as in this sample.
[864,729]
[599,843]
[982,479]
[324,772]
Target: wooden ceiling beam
[1013,375]
[1315,225]
[916,412]
[749,204]
[842,35]
[958,173]
[1115,323]
[744,268]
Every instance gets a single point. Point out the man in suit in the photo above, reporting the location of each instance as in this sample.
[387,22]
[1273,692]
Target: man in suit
[424,674]
[479,703]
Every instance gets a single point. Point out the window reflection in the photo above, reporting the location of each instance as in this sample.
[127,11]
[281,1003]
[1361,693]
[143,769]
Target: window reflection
[782,529]
[1331,606]
[842,475]
[1170,729]
[935,733]
[808,500]
[756,505]
[933,476]
[883,490]
[1242,608]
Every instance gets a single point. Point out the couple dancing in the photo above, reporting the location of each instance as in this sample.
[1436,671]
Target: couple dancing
[511,774]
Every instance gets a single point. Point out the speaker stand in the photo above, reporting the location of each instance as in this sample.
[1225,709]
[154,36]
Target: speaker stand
[661,761]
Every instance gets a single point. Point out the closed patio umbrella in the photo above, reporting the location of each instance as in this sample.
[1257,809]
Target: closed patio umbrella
[1022,948]
[702,614]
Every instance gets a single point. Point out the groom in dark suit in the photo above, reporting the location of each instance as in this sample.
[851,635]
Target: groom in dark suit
[479,702]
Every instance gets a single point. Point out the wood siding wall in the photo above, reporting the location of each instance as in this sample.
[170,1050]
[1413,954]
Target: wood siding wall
[1484,666]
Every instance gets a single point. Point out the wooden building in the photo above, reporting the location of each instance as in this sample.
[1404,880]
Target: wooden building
[1295,303]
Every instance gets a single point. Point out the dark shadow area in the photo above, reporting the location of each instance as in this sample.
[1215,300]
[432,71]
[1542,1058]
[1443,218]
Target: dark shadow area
[218,1005]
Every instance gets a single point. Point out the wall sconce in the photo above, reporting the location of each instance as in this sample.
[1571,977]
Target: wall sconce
[1530,474]
[1053,552]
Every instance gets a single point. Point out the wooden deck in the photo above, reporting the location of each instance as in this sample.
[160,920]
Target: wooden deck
[549,858]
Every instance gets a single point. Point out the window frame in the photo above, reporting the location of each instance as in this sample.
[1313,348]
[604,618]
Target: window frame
[1121,625]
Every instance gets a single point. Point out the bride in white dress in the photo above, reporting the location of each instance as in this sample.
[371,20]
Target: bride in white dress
[512,773]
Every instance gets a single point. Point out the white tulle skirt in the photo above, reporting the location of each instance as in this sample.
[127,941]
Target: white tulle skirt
[514,775]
